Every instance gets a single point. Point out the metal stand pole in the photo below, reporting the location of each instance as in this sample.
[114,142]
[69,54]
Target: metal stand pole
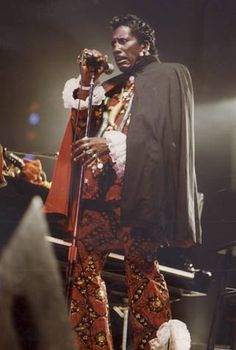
[125,327]
[73,250]
[123,312]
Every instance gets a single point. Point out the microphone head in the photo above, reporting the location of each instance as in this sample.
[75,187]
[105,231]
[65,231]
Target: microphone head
[109,68]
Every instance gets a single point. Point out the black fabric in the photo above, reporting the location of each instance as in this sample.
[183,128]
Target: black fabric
[159,190]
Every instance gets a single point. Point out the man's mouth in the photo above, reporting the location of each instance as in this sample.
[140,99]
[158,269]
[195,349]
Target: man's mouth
[120,60]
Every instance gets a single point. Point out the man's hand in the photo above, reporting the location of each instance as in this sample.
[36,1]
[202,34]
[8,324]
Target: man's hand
[87,150]
[90,61]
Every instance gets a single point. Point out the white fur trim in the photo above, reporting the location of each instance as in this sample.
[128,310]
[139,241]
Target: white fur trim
[116,142]
[172,335]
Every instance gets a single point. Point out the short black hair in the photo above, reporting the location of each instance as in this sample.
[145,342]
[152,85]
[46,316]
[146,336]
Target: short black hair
[142,30]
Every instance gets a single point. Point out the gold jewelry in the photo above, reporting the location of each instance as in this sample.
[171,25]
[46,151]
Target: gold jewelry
[89,151]
[99,164]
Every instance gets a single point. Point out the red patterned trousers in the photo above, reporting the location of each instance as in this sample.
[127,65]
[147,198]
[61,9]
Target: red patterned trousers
[99,234]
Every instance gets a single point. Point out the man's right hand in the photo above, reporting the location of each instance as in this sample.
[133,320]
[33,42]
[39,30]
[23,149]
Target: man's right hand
[91,61]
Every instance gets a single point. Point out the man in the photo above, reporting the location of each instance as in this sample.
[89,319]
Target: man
[139,187]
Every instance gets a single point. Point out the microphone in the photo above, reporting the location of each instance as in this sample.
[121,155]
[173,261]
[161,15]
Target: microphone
[109,68]
[96,63]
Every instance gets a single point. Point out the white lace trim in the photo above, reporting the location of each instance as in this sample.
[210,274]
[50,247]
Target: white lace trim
[172,335]
[116,142]
[70,102]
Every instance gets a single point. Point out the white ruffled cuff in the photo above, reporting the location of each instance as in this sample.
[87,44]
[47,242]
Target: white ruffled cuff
[172,335]
[70,102]
[116,142]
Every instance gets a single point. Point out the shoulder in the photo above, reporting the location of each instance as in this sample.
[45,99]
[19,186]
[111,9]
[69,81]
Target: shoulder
[165,76]
[167,69]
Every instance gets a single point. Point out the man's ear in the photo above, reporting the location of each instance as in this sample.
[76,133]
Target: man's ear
[146,46]
[145,49]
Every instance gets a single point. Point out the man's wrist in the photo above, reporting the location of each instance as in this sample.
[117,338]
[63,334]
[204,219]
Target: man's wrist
[84,87]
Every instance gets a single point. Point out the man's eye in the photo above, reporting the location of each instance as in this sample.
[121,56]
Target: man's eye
[123,41]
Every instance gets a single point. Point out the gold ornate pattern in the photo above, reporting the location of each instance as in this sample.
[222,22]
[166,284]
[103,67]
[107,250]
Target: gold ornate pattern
[147,291]
[143,343]
[89,306]
[118,105]
[101,339]
[155,304]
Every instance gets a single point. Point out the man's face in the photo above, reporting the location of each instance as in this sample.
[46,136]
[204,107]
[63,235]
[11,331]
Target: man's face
[126,48]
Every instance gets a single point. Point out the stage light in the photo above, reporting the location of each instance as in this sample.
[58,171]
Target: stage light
[34,118]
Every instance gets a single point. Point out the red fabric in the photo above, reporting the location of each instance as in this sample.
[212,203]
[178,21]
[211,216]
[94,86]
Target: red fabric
[147,291]
[58,197]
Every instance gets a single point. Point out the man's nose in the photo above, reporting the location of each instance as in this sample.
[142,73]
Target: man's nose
[116,47]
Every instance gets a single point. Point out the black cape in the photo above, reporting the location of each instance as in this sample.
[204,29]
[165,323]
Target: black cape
[159,190]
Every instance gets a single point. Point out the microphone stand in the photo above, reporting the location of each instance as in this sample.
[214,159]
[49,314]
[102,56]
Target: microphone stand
[73,250]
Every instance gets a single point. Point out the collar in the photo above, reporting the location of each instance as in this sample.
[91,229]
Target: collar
[116,83]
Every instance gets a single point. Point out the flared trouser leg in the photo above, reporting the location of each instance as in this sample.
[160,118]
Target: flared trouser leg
[147,291]
[89,304]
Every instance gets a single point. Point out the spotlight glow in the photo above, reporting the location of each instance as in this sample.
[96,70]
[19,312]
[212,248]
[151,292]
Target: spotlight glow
[34,118]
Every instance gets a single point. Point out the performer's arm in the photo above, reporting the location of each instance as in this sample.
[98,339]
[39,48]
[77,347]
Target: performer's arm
[74,97]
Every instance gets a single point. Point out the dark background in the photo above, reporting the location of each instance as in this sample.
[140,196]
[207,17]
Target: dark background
[39,44]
